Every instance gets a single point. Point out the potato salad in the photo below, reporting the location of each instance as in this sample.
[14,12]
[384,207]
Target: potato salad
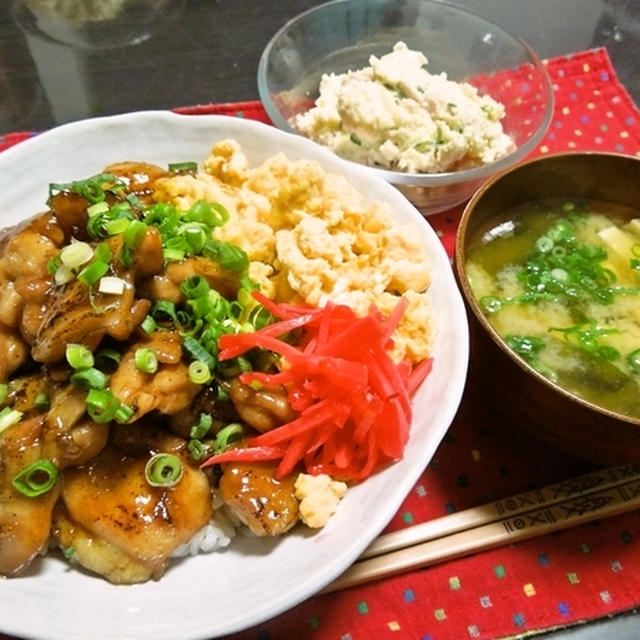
[394,114]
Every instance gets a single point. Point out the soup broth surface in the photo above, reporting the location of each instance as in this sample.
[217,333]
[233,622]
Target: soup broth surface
[560,283]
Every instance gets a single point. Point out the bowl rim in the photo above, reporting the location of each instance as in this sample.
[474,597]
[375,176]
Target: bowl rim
[472,303]
[420,179]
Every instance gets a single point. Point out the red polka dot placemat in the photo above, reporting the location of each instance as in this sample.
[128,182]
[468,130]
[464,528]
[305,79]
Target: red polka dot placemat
[580,574]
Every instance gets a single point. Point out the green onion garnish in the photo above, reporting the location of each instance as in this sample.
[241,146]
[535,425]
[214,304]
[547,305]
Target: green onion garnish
[89,378]
[102,405]
[9,417]
[177,167]
[195,287]
[36,479]
[633,360]
[146,360]
[148,325]
[163,470]
[227,436]
[124,413]
[79,356]
[198,352]
[42,402]
[106,358]
[201,428]
[199,372]
[76,254]
[4,391]
[93,272]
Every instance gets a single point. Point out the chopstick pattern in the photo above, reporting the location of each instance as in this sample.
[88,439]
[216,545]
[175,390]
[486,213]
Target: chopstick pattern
[551,508]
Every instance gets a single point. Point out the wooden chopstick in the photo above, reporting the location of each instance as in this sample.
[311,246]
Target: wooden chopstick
[592,496]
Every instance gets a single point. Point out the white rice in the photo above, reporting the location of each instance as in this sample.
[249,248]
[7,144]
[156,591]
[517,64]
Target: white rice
[216,534]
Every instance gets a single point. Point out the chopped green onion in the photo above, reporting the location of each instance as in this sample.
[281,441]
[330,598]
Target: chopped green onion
[163,470]
[198,449]
[544,244]
[227,436]
[173,255]
[9,417]
[93,272]
[79,356]
[633,359]
[4,392]
[198,352]
[42,402]
[177,167]
[76,254]
[106,358]
[146,360]
[102,405]
[36,479]
[97,208]
[124,413]
[195,287]
[89,378]
[201,428]
[63,275]
[148,325]
[194,235]
[228,255]
[199,372]
[117,226]
[163,310]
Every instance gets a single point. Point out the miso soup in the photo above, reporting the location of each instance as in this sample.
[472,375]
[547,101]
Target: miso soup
[560,283]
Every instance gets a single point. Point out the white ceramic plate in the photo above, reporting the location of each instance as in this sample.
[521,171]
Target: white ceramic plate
[254,579]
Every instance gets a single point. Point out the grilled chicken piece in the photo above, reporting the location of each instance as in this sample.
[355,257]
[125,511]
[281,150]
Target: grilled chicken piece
[13,352]
[95,553]
[266,505]
[168,390]
[139,177]
[70,318]
[72,437]
[166,286]
[263,409]
[110,500]
[206,401]
[24,522]
[64,435]
[27,252]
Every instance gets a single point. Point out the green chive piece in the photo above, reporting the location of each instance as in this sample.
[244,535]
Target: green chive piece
[201,428]
[9,417]
[227,436]
[102,405]
[163,470]
[89,378]
[148,325]
[93,272]
[76,254]
[79,356]
[36,479]
[199,372]
[177,167]
[146,360]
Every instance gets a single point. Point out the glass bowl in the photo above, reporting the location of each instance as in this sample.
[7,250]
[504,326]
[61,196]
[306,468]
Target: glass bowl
[339,36]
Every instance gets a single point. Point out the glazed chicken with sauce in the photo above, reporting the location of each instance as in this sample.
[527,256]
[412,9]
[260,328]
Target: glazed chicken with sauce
[101,510]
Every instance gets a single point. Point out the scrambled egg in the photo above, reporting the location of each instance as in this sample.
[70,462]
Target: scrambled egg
[319,498]
[311,237]
[396,115]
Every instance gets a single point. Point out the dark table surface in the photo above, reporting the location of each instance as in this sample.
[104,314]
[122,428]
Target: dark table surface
[204,51]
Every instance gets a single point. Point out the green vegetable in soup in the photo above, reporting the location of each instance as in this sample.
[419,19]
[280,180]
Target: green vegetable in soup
[560,282]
